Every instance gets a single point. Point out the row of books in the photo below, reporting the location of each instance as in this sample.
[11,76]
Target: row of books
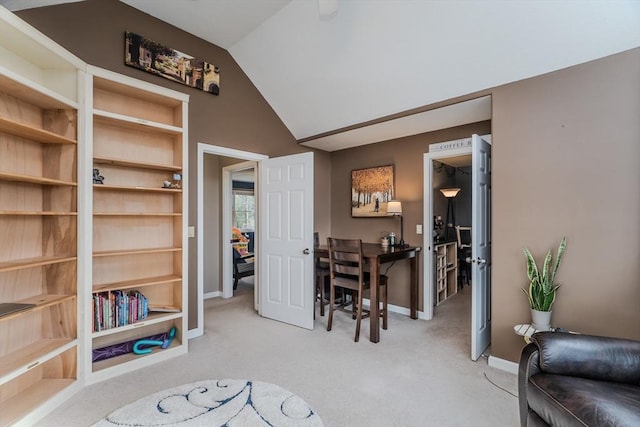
[113,309]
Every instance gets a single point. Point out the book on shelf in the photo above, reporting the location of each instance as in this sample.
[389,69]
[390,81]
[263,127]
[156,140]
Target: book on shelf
[112,309]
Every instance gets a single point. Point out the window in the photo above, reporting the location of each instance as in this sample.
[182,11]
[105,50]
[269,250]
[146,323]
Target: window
[244,210]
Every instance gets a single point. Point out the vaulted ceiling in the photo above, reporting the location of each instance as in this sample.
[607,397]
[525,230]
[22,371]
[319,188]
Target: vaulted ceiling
[324,65]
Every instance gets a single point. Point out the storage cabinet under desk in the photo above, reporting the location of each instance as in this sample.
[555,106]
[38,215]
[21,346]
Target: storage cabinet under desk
[446,270]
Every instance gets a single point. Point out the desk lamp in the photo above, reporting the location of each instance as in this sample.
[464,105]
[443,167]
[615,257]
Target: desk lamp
[394,207]
[450,194]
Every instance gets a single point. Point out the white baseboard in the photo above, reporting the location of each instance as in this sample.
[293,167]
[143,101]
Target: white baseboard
[396,309]
[504,365]
[195,333]
[199,331]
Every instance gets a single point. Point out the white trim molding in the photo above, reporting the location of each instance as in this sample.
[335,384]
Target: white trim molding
[215,150]
[503,365]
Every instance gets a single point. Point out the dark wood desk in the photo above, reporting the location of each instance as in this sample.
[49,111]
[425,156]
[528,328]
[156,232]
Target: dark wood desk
[377,255]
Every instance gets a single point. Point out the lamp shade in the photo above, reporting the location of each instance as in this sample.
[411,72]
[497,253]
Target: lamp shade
[449,192]
[394,207]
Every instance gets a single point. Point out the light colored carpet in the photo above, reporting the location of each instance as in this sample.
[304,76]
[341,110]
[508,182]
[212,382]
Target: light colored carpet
[419,374]
[217,403]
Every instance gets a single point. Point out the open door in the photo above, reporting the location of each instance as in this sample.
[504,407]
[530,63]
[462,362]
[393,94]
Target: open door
[285,268]
[429,285]
[480,152]
[480,247]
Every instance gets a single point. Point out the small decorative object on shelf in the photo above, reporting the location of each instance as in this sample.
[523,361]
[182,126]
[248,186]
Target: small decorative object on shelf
[176,184]
[97,178]
[144,346]
[177,179]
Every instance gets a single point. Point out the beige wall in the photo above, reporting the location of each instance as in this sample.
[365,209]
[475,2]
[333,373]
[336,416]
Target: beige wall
[239,118]
[322,190]
[566,162]
[407,154]
[212,184]
[566,150]
[566,157]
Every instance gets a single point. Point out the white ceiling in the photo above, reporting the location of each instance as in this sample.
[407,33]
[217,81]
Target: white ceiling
[376,58]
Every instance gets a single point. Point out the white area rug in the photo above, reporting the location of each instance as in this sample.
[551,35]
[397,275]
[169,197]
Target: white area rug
[217,403]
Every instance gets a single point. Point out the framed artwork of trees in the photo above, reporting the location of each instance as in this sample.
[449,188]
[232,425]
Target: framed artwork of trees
[371,190]
[171,64]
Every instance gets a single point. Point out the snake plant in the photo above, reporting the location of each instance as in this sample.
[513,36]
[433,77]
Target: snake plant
[543,287]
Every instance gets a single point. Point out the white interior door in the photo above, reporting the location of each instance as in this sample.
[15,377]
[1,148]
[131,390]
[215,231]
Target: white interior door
[285,266]
[429,285]
[480,247]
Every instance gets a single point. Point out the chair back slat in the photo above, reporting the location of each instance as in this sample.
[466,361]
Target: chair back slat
[349,270]
[346,257]
[346,262]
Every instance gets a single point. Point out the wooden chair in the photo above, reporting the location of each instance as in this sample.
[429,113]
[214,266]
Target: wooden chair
[321,276]
[346,265]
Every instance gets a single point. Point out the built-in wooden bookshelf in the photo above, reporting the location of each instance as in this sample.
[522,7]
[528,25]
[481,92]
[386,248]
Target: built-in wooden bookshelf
[138,226]
[65,239]
[40,85]
[446,270]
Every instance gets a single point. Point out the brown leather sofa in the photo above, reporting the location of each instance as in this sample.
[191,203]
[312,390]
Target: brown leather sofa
[579,380]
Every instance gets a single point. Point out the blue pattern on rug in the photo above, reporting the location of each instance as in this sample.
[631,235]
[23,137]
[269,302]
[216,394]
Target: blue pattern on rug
[223,403]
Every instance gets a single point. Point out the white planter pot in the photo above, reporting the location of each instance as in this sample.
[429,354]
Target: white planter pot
[541,320]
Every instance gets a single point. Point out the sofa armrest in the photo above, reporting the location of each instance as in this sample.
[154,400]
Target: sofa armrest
[589,356]
[528,366]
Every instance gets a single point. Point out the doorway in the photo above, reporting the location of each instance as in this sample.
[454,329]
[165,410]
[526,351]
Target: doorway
[239,214]
[457,181]
[290,180]
[212,237]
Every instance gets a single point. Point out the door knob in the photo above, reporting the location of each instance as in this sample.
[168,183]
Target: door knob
[482,261]
[306,251]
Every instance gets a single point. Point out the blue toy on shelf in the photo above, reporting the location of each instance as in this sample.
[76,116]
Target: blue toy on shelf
[147,343]
[164,339]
